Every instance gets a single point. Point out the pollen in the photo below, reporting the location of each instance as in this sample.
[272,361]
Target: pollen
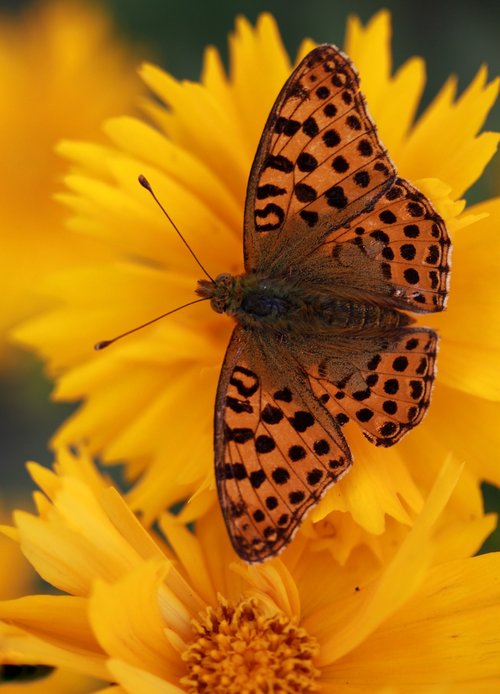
[239,650]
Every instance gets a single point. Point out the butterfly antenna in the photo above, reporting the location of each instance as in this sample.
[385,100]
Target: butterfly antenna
[105,343]
[145,184]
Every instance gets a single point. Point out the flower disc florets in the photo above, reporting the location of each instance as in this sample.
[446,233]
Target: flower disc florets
[239,650]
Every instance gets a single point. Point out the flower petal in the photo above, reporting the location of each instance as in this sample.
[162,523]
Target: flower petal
[458,155]
[128,623]
[392,100]
[451,624]
[134,679]
[473,303]
[399,580]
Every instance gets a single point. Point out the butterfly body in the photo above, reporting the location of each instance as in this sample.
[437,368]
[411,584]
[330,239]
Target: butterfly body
[284,307]
[338,251]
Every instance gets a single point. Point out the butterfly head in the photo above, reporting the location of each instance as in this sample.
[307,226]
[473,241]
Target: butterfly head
[221,291]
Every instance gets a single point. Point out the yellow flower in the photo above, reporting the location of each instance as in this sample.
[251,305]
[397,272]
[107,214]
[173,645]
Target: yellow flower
[61,73]
[149,399]
[188,617]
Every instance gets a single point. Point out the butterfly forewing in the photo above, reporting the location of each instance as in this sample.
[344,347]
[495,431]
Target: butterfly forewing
[274,456]
[319,162]
[404,247]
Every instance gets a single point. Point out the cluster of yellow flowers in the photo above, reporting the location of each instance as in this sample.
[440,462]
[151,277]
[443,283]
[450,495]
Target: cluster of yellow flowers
[380,591]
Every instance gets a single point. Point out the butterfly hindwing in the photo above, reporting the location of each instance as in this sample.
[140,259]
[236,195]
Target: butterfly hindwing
[275,456]
[319,162]
[385,390]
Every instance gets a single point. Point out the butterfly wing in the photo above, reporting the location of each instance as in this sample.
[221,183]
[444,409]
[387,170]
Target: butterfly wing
[276,449]
[382,383]
[325,210]
[318,165]
[321,178]
[394,254]
[401,245]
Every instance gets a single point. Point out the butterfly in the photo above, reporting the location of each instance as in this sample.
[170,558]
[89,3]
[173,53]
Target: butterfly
[337,250]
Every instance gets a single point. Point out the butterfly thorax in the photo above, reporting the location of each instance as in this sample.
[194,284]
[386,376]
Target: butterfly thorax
[281,305]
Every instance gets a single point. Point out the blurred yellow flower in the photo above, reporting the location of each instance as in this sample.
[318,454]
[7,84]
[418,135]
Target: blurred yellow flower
[149,399]
[62,71]
[189,617]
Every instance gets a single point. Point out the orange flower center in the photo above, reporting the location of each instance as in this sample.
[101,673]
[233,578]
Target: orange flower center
[238,650]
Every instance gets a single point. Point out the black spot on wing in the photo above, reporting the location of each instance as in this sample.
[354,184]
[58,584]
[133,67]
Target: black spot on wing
[244,380]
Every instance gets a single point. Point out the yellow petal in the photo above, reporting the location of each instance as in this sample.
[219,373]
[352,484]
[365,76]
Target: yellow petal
[450,624]
[473,303]
[375,486]
[82,536]
[401,578]
[128,623]
[19,646]
[190,554]
[61,619]
[458,156]
[134,679]
[449,417]
[392,100]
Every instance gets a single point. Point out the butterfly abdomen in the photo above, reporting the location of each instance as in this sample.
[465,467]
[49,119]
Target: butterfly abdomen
[282,306]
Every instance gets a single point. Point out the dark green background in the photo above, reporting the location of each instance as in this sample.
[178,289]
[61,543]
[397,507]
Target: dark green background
[453,37]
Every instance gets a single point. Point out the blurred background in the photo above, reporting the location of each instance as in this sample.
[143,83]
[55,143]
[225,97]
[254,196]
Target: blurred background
[453,37]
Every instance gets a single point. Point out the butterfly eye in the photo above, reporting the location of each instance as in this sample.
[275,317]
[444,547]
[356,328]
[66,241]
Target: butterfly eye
[225,279]
[219,304]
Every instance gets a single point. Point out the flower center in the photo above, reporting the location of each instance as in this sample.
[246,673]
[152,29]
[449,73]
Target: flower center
[238,650]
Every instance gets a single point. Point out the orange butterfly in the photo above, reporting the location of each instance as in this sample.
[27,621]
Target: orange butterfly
[336,246]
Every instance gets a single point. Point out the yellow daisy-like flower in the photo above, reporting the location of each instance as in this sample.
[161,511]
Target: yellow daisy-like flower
[149,400]
[61,73]
[189,618]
